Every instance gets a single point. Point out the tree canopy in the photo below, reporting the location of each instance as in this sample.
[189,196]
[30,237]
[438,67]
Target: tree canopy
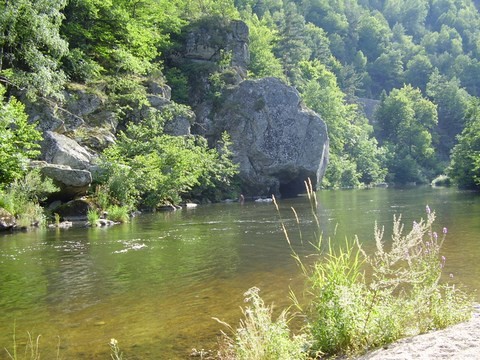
[412,56]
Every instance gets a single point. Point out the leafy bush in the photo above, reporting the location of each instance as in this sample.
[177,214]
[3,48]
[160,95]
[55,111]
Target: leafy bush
[259,337]
[146,168]
[92,217]
[22,197]
[465,161]
[18,139]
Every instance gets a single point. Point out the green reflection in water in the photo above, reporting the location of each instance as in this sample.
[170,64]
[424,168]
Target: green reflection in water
[155,283]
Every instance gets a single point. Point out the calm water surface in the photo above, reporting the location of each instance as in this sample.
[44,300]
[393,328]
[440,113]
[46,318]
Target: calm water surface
[155,284]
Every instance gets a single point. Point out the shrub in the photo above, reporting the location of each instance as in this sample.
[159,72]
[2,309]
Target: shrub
[259,337]
[118,213]
[362,301]
[18,139]
[92,217]
[22,197]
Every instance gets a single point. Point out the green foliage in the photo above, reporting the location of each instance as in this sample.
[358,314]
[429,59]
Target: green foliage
[18,140]
[22,197]
[452,104]
[118,213]
[262,41]
[116,37]
[31,46]
[355,157]
[465,161]
[361,301]
[179,84]
[406,121]
[148,168]
[93,217]
[260,337]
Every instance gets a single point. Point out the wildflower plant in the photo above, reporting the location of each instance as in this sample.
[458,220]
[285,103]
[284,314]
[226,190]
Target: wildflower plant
[360,301]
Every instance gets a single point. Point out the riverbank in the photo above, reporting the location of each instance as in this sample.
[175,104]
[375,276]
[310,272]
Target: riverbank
[458,342]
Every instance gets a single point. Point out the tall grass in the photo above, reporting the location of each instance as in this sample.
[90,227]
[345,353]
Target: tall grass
[356,301]
[361,301]
[31,350]
[118,213]
[93,217]
[259,337]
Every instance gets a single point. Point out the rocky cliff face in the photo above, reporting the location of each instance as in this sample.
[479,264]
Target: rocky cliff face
[76,130]
[278,142]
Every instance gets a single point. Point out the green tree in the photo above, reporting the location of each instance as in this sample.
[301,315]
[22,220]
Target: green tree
[147,168]
[406,121]
[354,155]
[418,71]
[452,103]
[374,35]
[262,43]
[31,46]
[291,47]
[465,162]
[115,37]
[18,140]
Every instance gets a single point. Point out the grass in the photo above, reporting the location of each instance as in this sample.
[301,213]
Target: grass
[118,213]
[259,337]
[32,348]
[93,217]
[357,301]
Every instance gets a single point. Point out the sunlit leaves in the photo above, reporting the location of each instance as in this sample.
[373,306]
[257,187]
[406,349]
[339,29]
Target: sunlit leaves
[31,46]
[18,140]
[465,166]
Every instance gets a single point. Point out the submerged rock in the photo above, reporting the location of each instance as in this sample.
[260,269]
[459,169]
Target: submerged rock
[277,141]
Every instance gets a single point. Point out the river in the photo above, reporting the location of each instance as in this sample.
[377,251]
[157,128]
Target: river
[155,283]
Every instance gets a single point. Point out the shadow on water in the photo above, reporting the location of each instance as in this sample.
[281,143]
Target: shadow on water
[155,283]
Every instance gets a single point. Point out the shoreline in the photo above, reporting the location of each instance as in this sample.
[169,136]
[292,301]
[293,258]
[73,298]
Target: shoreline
[459,342]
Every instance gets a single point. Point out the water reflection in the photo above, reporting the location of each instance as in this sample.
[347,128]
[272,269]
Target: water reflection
[155,283]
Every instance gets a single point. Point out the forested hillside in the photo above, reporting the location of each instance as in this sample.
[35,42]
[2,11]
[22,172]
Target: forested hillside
[416,61]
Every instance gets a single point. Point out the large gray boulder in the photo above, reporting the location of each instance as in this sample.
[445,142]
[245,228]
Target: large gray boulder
[277,141]
[62,150]
[73,183]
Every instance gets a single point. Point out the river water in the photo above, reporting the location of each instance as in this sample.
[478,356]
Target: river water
[155,283]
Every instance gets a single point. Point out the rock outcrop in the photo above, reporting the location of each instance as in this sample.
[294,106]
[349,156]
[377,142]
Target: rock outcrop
[73,183]
[61,150]
[207,40]
[277,141]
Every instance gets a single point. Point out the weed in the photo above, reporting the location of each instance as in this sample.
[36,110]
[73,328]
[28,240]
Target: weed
[259,337]
[92,217]
[115,352]
[118,213]
[361,301]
